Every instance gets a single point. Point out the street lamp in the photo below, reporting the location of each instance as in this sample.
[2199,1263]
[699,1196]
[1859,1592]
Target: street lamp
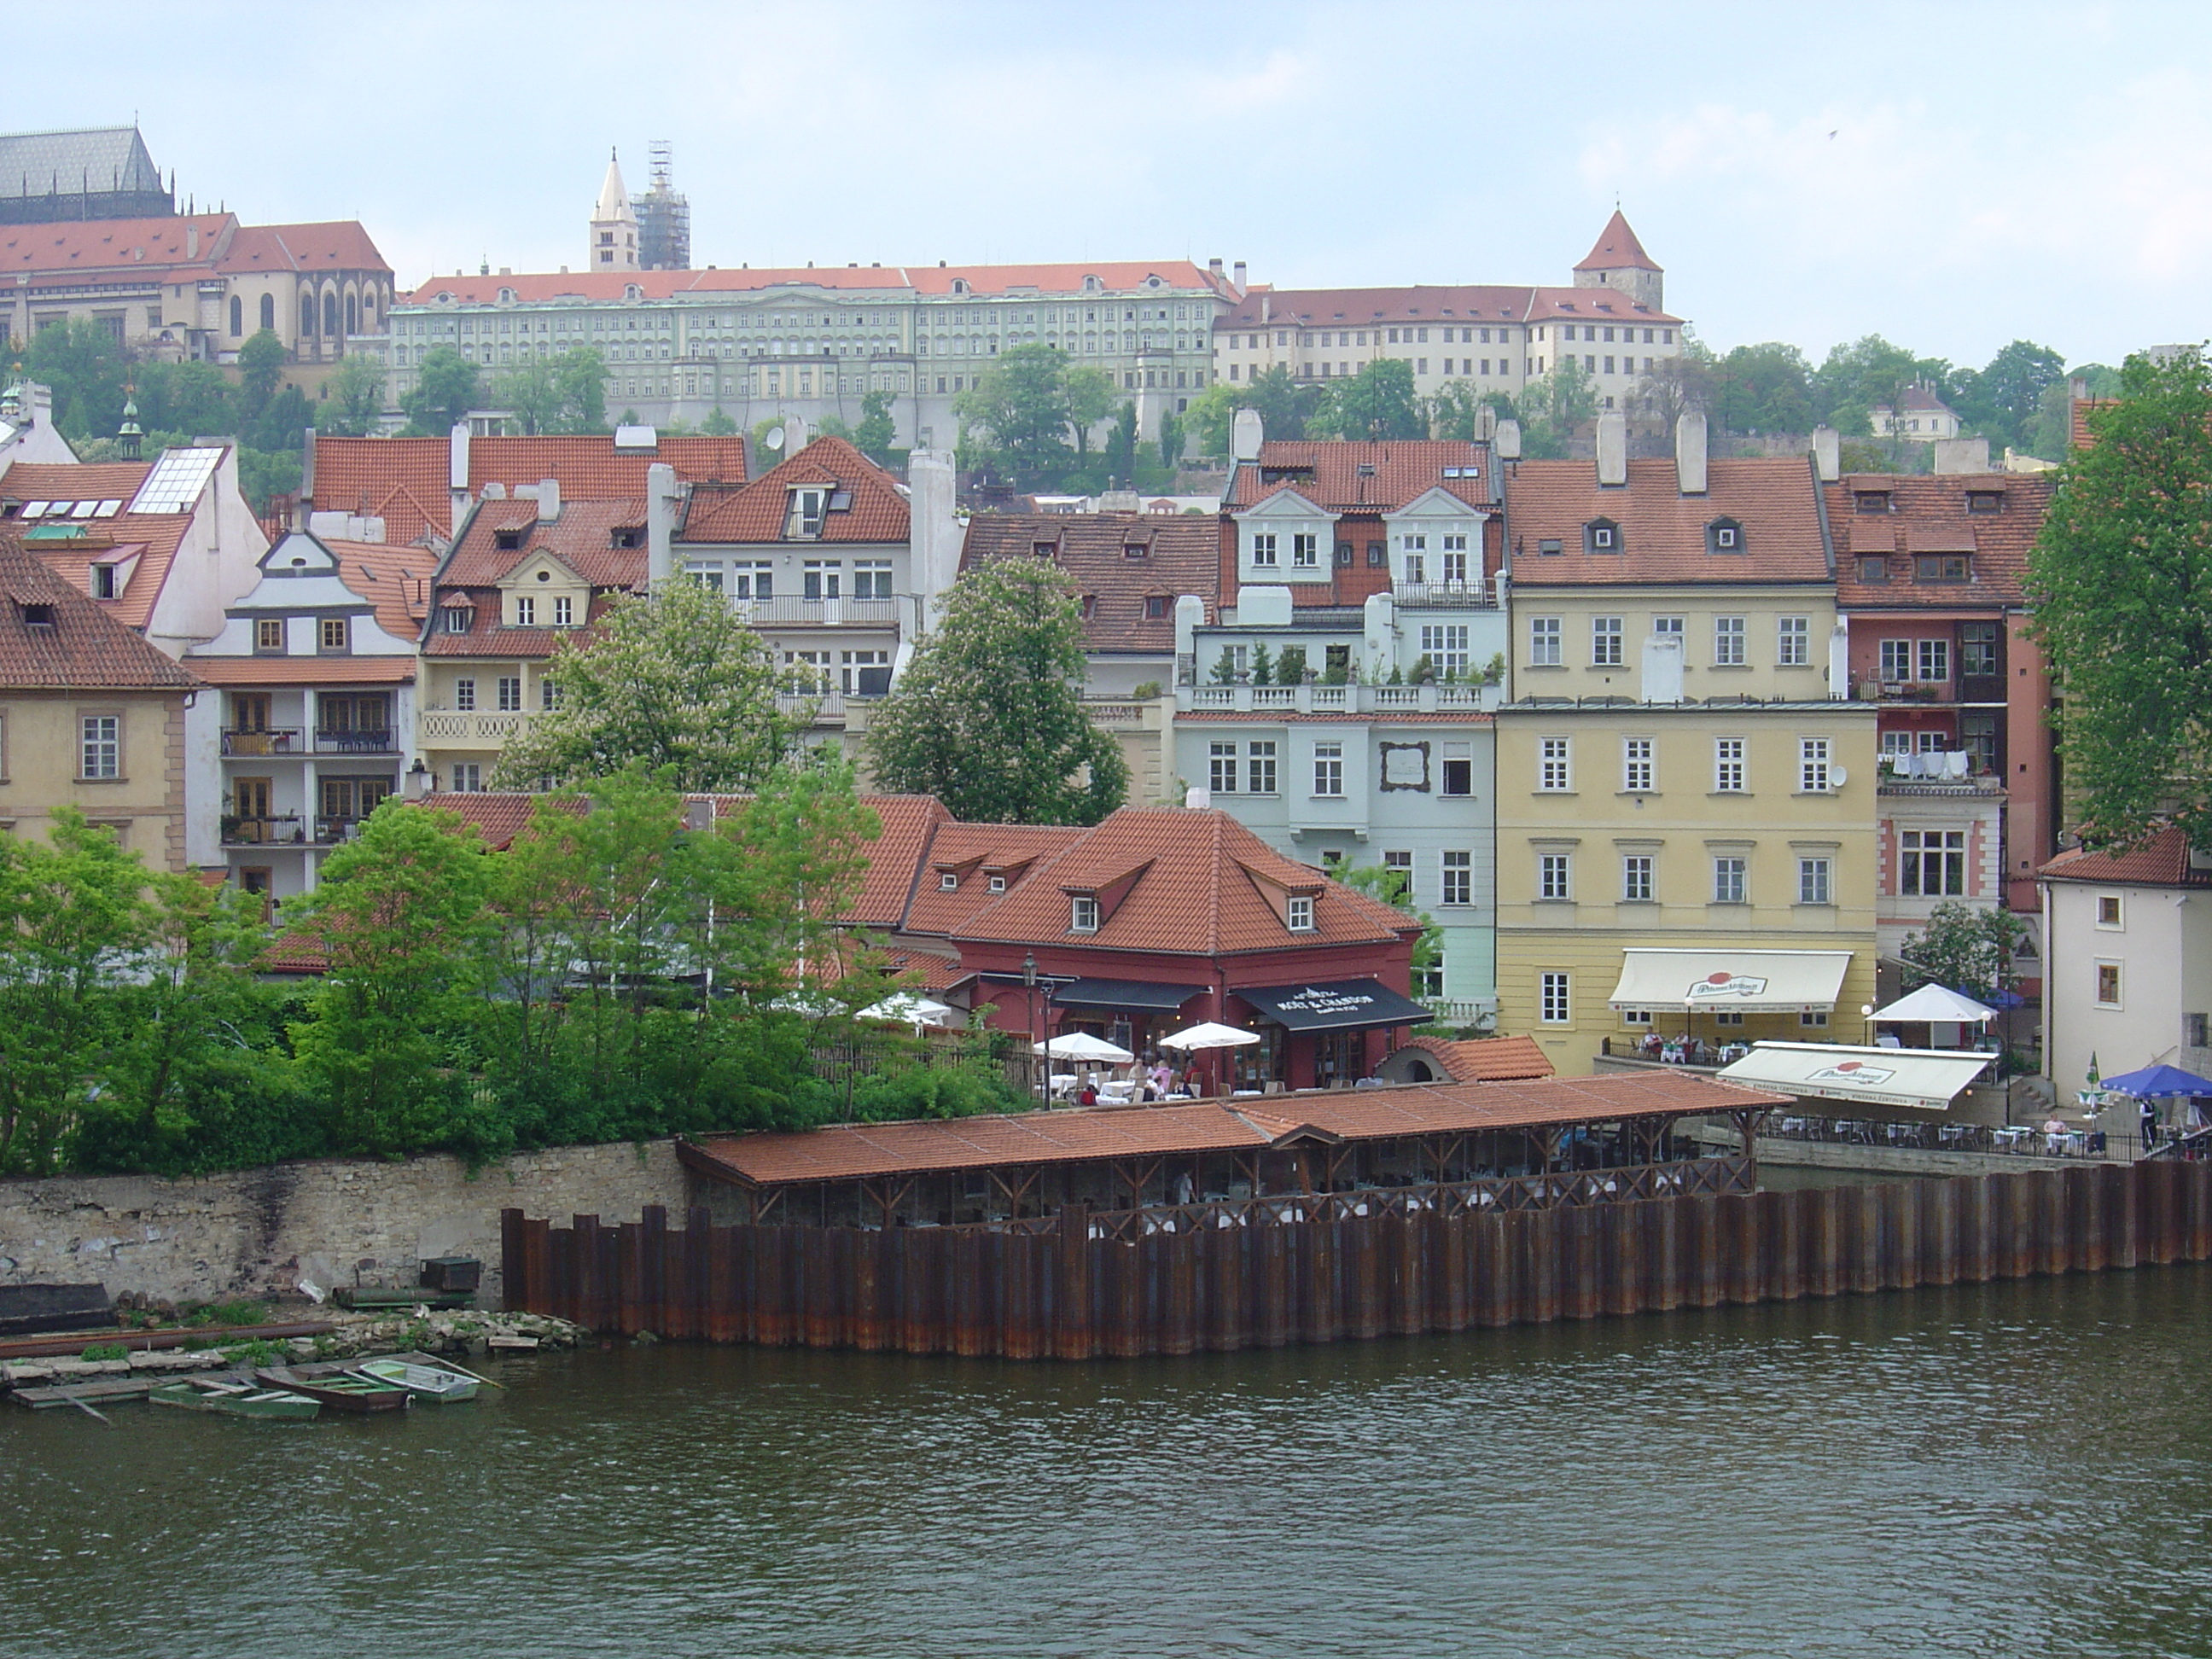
[1029,1001]
[1866,1013]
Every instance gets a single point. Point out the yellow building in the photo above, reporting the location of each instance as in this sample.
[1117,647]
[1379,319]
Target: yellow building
[91,716]
[1666,869]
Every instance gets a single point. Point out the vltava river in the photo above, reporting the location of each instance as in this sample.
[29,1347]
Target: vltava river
[2019,1469]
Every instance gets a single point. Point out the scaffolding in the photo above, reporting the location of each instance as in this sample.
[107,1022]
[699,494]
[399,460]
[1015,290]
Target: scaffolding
[664,216]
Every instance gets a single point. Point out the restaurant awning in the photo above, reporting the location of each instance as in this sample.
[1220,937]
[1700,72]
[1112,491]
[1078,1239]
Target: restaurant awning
[1343,1005]
[1928,1079]
[1143,996]
[1722,976]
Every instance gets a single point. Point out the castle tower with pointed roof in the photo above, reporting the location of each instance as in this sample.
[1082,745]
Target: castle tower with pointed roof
[1619,261]
[614,225]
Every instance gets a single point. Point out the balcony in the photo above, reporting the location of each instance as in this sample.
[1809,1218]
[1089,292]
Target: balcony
[282,741]
[1946,773]
[1347,699]
[276,829]
[471,727]
[1446,596]
[791,612]
[354,742]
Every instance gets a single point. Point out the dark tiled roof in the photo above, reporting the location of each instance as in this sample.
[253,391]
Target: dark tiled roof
[1663,532]
[1180,554]
[2161,861]
[1927,515]
[877,511]
[84,649]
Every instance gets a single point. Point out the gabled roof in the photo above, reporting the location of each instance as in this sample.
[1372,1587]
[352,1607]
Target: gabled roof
[98,160]
[53,481]
[394,579]
[2161,861]
[186,245]
[333,244]
[83,649]
[582,538]
[1617,249]
[155,536]
[1488,1060]
[875,511]
[1490,303]
[1329,475]
[1663,532]
[1180,554]
[1927,515]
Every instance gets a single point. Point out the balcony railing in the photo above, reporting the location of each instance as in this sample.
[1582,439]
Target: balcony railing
[791,609]
[1449,596]
[276,829]
[354,742]
[1345,699]
[473,726]
[282,741]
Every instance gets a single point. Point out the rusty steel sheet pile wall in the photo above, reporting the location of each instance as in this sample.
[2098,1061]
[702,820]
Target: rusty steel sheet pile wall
[1070,1293]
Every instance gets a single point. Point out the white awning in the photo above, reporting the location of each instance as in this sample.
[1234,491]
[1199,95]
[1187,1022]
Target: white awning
[1926,1078]
[1722,976]
[1937,1005]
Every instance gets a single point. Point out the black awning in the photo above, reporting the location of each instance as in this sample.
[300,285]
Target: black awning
[1343,1005]
[1140,995]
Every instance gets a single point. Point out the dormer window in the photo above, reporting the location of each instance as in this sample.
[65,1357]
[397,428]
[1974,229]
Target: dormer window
[803,520]
[1873,570]
[1601,536]
[998,884]
[1298,915]
[1986,501]
[1083,915]
[1725,536]
[525,611]
[1547,549]
[36,614]
[507,541]
[1044,550]
[103,581]
[1943,568]
[1871,501]
[1156,606]
[626,536]
[459,618]
[1136,549]
[949,882]
[1263,549]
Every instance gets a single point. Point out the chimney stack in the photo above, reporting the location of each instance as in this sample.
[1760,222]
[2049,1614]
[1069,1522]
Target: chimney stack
[548,499]
[1962,455]
[1236,278]
[1689,452]
[1827,454]
[457,473]
[659,522]
[1613,447]
[1247,432]
[1507,444]
[307,465]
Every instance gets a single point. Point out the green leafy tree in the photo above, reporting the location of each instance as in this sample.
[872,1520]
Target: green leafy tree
[1854,380]
[877,431]
[446,387]
[2004,400]
[1090,393]
[1018,413]
[192,398]
[282,423]
[581,373]
[1122,447]
[674,681]
[83,366]
[2120,583]
[1377,403]
[531,392]
[260,366]
[1394,888]
[989,717]
[1554,406]
[263,475]
[1764,388]
[1967,947]
[1457,409]
[1170,441]
[356,395]
[718,424]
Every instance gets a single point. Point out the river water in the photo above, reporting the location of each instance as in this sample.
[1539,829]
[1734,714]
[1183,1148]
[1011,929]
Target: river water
[2014,1469]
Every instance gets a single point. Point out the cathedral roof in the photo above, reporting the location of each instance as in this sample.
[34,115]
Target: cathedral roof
[1617,249]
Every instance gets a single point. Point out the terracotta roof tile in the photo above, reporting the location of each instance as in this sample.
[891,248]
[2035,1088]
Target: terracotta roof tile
[333,244]
[2161,861]
[972,852]
[1617,248]
[1181,553]
[1486,1060]
[907,821]
[53,481]
[1927,515]
[1492,302]
[154,535]
[582,538]
[168,246]
[304,671]
[536,288]
[84,649]
[1663,532]
[1328,475]
[756,512]
[395,578]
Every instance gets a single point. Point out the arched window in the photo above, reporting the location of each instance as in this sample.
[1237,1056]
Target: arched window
[353,314]
[237,316]
[306,313]
[269,311]
[331,312]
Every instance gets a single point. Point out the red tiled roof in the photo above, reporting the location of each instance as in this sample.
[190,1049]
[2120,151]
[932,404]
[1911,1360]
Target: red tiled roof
[499,818]
[84,649]
[2161,861]
[973,853]
[2084,433]
[139,245]
[1663,532]
[155,534]
[857,1151]
[1617,249]
[1365,307]
[1182,555]
[333,244]
[304,671]
[394,577]
[1489,1060]
[53,481]
[1328,475]
[757,512]
[907,822]
[1927,515]
[582,538]
[535,286]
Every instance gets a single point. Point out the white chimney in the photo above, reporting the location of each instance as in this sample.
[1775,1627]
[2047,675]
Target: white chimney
[1236,278]
[457,473]
[1507,444]
[1613,447]
[659,522]
[1962,455]
[1662,668]
[1689,452]
[1246,433]
[1189,617]
[1827,454]
[548,499]
[308,465]
[1839,659]
[935,535]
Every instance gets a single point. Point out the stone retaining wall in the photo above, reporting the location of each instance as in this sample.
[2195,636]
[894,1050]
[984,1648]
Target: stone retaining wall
[330,1221]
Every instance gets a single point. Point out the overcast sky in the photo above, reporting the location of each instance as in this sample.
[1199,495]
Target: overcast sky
[1953,176]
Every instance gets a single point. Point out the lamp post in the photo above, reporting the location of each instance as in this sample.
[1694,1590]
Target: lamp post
[1866,1013]
[1689,1054]
[1029,1000]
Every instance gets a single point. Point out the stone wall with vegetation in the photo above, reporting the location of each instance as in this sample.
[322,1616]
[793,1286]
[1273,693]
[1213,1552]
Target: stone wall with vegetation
[328,1221]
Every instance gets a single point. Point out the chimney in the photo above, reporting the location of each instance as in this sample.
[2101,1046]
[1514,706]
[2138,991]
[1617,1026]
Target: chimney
[659,522]
[1508,441]
[191,240]
[1962,455]
[934,537]
[1689,452]
[307,465]
[548,499]
[1214,266]
[1246,433]
[1236,278]
[1839,659]
[1613,447]
[1827,454]
[457,473]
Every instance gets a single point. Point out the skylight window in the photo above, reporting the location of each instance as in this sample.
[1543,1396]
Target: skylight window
[176,480]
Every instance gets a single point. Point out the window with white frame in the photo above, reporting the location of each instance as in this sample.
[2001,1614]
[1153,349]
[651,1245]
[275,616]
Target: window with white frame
[1305,551]
[525,611]
[565,612]
[1816,1018]
[2110,912]
[1552,771]
[1728,641]
[1935,659]
[1458,879]
[1263,548]
[1544,642]
[465,694]
[1636,878]
[1083,915]
[1813,765]
[1299,914]
[510,694]
[1729,874]
[823,579]
[468,777]
[752,582]
[1637,766]
[1605,641]
[2108,984]
[1552,1008]
[1896,660]
[1555,875]
[1668,626]
[1932,863]
[1221,768]
[1814,885]
[1458,768]
[1445,646]
[853,663]
[1328,768]
[1728,765]
[707,573]
[872,579]
[1259,768]
[101,750]
[1793,641]
[1399,865]
[1452,561]
[549,694]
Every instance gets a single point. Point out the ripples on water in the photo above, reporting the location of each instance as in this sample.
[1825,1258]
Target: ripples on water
[2002,1470]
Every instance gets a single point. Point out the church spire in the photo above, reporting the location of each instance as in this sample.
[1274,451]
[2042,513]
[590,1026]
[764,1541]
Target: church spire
[614,225]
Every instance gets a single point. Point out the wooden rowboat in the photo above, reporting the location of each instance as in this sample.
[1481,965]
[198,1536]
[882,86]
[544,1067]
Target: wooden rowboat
[431,1383]
[343,1392]
[235,1400]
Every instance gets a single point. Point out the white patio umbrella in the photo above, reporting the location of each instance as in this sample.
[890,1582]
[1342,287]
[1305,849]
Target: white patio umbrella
[1081,1045]
[912,1010]
[1939,1005]
[1207,1033]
